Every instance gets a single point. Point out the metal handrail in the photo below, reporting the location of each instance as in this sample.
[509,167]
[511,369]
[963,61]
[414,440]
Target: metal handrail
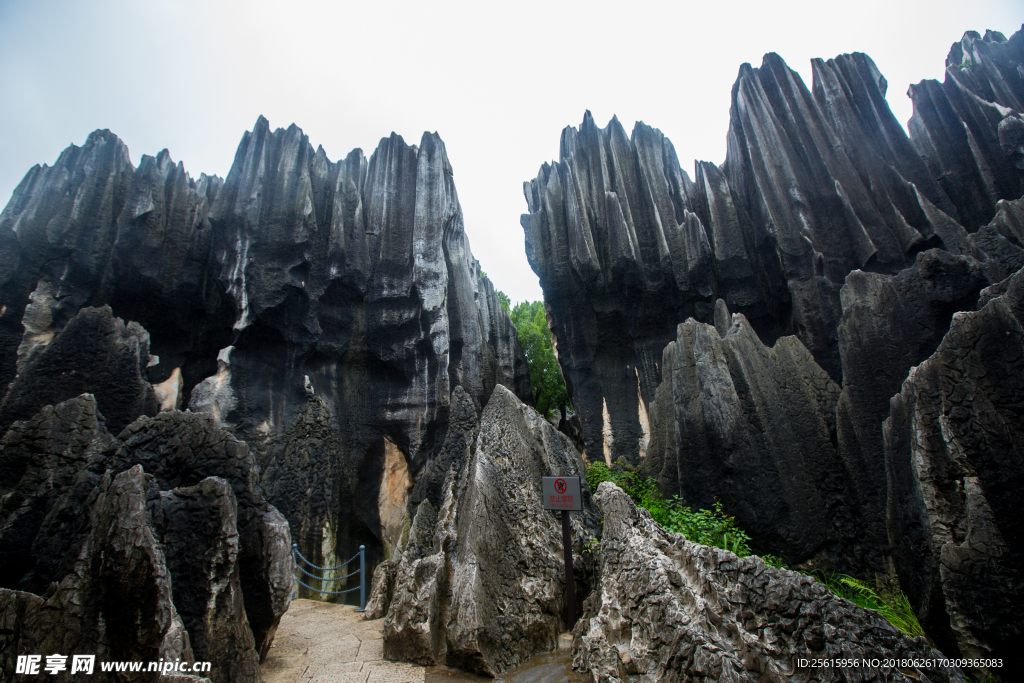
[295,547]
[296,556]
[320,578]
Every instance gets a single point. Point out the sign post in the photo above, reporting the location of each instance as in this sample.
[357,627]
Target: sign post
[563,493]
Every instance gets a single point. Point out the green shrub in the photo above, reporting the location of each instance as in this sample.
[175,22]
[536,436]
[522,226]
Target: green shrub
[714,527]
[707,527]
[892,605]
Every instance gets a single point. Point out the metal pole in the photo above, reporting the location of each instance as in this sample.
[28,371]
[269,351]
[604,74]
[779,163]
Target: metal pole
[295,587]
[362,579]
[570,585]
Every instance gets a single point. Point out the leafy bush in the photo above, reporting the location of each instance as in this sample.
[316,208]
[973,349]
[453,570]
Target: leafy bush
[707,527]
[893,605]
[714,527]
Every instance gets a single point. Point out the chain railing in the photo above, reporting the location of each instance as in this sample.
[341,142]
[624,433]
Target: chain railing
[324,580]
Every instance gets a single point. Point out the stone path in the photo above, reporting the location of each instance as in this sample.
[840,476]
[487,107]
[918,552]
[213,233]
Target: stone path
[319,642]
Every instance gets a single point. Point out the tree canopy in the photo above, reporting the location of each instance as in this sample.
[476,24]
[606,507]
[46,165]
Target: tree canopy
[535,338]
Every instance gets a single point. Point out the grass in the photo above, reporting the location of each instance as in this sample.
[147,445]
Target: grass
[715,528]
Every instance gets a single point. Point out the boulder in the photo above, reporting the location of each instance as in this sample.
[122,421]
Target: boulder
[94,353]
[39,460]
[955,467]
[117,604]
[669,609]
[483,588]
[754,428]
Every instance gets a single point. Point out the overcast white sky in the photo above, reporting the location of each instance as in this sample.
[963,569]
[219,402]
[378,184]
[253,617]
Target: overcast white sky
[497,81]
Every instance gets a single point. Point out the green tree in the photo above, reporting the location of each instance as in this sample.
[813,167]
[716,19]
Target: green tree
[535,338]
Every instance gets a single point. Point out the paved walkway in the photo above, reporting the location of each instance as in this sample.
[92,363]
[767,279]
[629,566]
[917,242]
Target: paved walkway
[319,642]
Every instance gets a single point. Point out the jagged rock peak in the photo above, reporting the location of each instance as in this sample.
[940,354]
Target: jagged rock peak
[294,291]
[817,183]
[968,128]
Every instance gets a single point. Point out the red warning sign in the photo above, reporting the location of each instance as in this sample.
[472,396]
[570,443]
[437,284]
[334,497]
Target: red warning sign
[562,493]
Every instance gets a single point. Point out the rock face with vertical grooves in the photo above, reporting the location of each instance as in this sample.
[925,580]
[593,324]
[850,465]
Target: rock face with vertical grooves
[890,324]
[829,223]
[480,584]
[968,128]
[954,446]
[294,291]
[669,609]
[817,183]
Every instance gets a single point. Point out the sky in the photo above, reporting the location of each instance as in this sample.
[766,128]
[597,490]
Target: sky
[497,81]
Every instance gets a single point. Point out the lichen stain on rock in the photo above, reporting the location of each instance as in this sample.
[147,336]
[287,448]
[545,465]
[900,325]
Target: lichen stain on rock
[393,499]
[38,323]
[645,423]
[168,392]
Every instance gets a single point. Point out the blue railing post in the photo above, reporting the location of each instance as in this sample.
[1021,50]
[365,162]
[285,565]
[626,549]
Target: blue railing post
[362,579]
[295,564]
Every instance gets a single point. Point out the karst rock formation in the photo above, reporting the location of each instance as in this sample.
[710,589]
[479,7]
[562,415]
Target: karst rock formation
[285,353]
[739,335]
[672,610]
[480,584]
[823,334]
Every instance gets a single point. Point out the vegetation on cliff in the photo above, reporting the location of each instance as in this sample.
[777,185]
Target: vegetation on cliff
[546,380]
[714,527]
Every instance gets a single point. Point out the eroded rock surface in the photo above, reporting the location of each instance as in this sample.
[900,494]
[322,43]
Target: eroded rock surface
[180,450]
[754,427]
[955,463]
[116,604]
[197,528]
[890,324]
[296,285]
[482,587]
[669,609]
[967,127]
[232,591]
[94,353]
[817,183]
[39,460]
